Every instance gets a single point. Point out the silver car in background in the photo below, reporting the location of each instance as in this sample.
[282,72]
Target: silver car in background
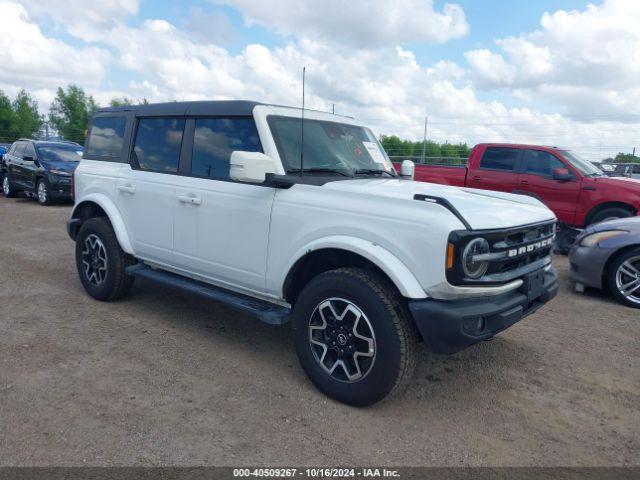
[607,255]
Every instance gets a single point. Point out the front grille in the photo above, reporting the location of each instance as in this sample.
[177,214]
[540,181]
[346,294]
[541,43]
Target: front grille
[513,252]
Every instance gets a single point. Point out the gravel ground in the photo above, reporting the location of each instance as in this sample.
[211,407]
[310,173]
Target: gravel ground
[165,378]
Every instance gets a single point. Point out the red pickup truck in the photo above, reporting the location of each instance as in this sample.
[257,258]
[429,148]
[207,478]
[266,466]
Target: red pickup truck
[577,191]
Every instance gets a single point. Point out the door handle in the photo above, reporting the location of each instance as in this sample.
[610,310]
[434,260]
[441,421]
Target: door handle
[524,182]
[128,188]
[475,179]
[189,199]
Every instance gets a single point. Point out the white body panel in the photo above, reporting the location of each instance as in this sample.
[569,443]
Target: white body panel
[248,237]
[145,200]
[224,236]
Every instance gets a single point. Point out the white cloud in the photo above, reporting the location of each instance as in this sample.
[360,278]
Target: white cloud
[31,60]
[82,19]
[583,60]
[359,23]
[385,86]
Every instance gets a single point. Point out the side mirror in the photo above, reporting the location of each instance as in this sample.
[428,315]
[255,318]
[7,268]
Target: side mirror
[407,169]
[250,167]
[28,158]
[562,174]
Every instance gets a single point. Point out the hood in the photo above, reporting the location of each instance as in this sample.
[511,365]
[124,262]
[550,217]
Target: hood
[631,224]
[482,209]
[63,166]
[619,182]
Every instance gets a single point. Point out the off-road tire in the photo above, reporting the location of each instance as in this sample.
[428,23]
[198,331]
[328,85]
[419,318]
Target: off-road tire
[396,337]
[117,283]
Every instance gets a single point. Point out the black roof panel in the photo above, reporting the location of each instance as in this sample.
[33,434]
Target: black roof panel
[214,107]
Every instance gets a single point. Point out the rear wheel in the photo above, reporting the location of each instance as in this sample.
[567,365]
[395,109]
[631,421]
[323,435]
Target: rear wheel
[354,337]
[7,188]
[610,214]
[100,261]
[624,278]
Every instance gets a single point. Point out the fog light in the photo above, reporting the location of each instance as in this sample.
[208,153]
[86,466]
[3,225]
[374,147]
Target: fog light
[474,326]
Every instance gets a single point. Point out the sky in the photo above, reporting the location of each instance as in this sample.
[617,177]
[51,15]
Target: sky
[563,73]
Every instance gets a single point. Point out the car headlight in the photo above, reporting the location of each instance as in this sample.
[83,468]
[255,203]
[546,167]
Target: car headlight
[473,266]
[595,238]
[62,173]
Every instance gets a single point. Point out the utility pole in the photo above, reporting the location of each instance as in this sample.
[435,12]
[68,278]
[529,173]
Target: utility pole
[634,151]
[333,108]
[424,140]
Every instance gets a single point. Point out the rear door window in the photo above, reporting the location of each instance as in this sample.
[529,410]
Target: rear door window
[158,143]
[18,151]
[537,162]
[214,140]
[499,158]
[106,137]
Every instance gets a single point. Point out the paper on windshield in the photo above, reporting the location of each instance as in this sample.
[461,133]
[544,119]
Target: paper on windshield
[375,153]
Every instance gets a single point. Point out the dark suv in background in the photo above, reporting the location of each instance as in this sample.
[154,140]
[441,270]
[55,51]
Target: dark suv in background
[42,169]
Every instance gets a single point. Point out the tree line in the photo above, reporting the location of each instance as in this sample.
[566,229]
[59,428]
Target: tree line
[71,109]
[68,116]
[396,147]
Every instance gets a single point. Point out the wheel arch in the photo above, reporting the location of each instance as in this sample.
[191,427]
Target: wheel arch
[605,205]
[337,252]
[98,205]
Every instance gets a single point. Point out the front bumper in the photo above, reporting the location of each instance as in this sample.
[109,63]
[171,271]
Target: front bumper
[450,326]
[59,186]
[587,264]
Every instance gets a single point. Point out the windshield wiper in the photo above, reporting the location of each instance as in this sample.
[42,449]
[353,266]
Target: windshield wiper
[318,170]
[366,171]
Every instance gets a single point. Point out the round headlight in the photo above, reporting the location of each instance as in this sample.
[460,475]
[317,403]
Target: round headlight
[475,269]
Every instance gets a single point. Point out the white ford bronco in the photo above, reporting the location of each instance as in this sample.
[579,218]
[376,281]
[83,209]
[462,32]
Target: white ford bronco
[303,218]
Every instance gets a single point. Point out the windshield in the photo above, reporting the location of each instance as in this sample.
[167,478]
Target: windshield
[60,153]
[329,147]
[583,166]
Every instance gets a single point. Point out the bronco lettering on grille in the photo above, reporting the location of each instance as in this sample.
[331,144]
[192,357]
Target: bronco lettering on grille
[532,247]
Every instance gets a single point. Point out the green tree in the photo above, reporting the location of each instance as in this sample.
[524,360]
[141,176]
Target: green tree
[126,101]
[392,145]
[120,102]
[448,150]
[6,119]
[70,112]
[26,121]
[432,149]
[626,158]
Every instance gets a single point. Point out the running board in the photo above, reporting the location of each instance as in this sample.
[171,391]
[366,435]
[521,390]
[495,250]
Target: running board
[263,310]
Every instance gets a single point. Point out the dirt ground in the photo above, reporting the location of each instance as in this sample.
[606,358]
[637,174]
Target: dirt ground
[165,378]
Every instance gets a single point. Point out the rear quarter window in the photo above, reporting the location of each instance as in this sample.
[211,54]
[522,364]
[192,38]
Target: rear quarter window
[106,137]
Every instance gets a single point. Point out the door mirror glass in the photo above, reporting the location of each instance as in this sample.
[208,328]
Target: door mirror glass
[562,174]
[250,167]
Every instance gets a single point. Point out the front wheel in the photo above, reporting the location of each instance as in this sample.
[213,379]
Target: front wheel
[42,192]
[354,337]
[101,262]
[624,278]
